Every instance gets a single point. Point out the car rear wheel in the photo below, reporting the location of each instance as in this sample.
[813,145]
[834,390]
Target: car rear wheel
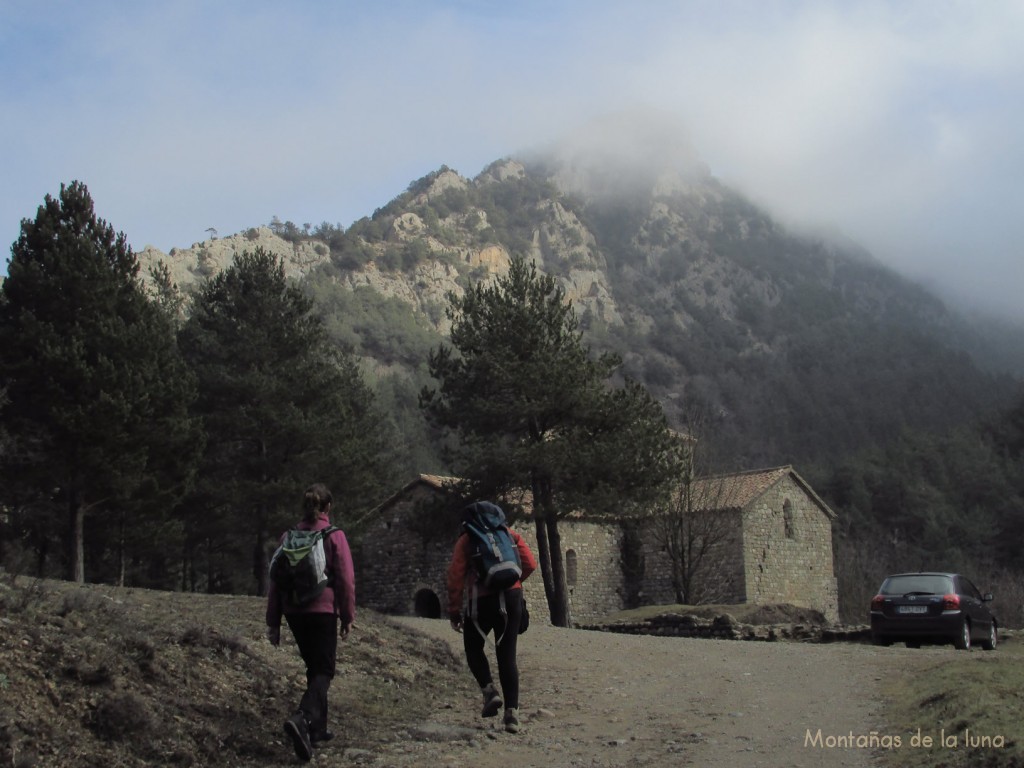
[963,642]
[989,644]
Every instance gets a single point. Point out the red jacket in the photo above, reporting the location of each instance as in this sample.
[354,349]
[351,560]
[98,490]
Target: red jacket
[339,597]
[461,572]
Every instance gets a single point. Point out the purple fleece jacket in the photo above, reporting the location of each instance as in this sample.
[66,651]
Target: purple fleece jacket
[339,597]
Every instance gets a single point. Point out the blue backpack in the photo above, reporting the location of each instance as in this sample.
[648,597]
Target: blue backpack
[493,550]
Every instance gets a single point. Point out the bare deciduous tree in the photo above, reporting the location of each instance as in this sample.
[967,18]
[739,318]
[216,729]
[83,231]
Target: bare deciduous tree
[695,522]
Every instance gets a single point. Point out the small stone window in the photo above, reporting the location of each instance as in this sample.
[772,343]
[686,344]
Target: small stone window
[787,519]
[570,567]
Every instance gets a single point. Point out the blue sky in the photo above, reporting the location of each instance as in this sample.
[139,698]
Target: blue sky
[898,122]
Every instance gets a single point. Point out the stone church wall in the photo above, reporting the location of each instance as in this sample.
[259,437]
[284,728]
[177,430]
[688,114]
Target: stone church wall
[783,554]
[720,578]
[401,567]
[787,543]
[401,573]
[593,559]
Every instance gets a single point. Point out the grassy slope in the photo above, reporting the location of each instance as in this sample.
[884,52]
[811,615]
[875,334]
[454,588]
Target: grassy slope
[978,692]
[93,675]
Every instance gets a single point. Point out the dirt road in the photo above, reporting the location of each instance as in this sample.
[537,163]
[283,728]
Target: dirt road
[601,699]
[95,675]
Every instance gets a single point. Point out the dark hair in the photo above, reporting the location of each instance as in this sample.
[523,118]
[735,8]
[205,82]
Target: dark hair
[316,499]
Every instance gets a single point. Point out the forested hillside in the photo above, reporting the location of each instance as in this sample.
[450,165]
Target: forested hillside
[799,350]
[791,348]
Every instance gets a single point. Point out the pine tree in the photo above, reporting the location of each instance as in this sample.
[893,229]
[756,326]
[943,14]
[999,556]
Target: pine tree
[282,408]
[98,394]
[532,410]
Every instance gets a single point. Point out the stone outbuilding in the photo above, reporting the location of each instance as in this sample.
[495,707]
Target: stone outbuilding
[775,547]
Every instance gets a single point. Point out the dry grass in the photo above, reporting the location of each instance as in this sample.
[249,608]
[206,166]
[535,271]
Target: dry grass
[100,676]
[975,700]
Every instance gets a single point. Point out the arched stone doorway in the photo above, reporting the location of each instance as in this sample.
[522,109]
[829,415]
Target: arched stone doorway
[426,604]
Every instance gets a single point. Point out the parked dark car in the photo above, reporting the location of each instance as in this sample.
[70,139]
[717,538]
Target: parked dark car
[932,608]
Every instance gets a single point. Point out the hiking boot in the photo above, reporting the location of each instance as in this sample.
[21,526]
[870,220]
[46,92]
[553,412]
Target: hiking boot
[298,729]
[492,701]
[512,720]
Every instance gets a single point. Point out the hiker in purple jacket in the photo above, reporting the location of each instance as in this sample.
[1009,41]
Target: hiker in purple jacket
[315,625]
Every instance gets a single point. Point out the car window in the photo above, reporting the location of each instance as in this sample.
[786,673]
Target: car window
[923,583]
[967,588]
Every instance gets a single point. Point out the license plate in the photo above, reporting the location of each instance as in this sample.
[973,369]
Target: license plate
[911,609]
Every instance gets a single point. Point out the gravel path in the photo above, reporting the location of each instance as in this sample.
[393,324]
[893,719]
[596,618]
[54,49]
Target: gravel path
[602,699]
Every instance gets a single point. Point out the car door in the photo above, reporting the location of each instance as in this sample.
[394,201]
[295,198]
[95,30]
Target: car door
[976,609]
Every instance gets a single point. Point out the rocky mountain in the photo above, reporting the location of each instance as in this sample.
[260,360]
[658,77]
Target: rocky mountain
[796,348]
[446,250]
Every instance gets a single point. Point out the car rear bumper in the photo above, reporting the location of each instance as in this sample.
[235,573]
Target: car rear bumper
[946,625]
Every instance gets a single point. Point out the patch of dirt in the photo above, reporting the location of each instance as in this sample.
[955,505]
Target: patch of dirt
[593,698]
[100,676]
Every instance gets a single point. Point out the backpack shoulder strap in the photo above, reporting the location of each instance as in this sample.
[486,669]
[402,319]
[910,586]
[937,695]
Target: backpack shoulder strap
[325,537]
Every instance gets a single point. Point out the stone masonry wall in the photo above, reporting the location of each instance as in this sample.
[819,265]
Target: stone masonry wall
[395,564]
[398,571]
[720,580]
[598,587]
[787,543]
[402,572]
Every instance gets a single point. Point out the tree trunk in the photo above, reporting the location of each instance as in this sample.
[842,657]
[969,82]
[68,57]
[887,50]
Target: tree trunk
[76,540]
[42,551]
[678,582]
[545,555]
[260,565]
[560,612]
[184,566]
[544,558]
[547,536]
[210,587]
[121,558]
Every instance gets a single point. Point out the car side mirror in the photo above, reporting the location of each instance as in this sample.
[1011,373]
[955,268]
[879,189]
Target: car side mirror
[987,598]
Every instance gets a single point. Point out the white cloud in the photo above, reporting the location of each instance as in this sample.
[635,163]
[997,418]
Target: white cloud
[895,120]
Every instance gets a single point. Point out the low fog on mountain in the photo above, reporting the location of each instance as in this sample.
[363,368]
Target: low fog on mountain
[890,123]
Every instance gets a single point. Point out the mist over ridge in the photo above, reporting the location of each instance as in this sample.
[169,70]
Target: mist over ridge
[712,301]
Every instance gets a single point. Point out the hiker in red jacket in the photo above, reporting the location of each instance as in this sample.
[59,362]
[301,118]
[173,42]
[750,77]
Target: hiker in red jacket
[489,610]
[315,625]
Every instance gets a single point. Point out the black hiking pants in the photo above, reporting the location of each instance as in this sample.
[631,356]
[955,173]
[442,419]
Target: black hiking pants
[316,634]
[504,626]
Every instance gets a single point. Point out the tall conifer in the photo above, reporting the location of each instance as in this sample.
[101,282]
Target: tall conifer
[282,408]
[98,395]
[532,410]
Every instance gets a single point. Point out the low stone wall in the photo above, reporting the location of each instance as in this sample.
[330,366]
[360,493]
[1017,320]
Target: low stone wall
[726,627]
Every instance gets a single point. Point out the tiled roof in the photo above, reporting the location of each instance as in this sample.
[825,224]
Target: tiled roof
[736,491]
[721,492]
[436,481]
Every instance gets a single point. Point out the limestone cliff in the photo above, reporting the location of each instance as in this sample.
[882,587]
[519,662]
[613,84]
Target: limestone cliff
[709,300]
[448,247]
